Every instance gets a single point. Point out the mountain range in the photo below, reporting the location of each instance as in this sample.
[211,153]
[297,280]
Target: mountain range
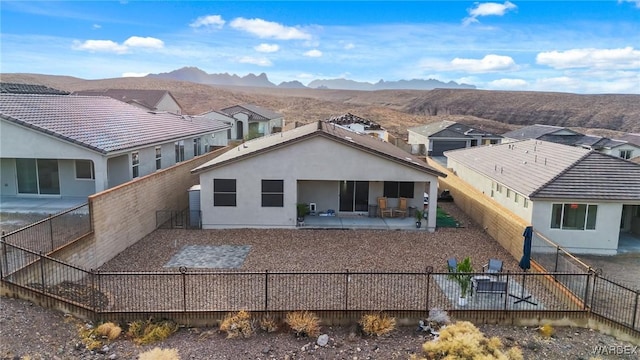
[196,75]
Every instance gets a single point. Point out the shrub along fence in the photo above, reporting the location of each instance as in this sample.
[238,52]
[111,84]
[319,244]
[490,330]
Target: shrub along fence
[116,294]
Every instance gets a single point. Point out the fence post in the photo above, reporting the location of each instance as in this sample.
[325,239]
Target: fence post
[42,272]
[506,296]
[595,278]
[555,269]
[266,290]
[5,263]
[586,292]
[428,271]
[346,290]
[183,271]
[51,231]
[635,310]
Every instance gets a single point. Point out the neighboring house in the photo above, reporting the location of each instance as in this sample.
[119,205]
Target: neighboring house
[622,148]
[436,138]
[80,145]
[220,116]
[253,121]
[152,100]
[259,183]
[581,199]
[361,125]
[13,88]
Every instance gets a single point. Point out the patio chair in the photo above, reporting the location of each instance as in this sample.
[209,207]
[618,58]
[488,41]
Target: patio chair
[402,208]
[493,267]
[452,265]
[383,207]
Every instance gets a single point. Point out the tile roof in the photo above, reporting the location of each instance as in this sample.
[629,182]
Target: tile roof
[13,88]
[535,132]
[255,112]
[320,128]
[101,123]
[632,138]
[540,169]
[146,98]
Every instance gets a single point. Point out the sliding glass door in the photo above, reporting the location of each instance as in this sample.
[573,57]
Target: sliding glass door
[38,176]
[354,196]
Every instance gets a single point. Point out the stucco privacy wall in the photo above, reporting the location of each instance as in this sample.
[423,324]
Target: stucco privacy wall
[125,214]
[497,221]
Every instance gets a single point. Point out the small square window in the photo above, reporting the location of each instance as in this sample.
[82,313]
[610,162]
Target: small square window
[84,169]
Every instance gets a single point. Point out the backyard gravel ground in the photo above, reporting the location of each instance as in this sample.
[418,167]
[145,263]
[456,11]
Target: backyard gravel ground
[39,333]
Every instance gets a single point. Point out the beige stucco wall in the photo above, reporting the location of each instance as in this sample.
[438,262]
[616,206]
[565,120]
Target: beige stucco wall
[168,104]
[316,159]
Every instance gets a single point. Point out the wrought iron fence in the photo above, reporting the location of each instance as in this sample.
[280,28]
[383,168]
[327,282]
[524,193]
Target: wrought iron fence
[52,232]
[178,219]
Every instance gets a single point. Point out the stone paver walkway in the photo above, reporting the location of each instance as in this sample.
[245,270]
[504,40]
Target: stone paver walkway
[210,257]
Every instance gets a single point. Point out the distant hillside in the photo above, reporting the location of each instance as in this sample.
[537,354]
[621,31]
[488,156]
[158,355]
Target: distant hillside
[396,110]
[415,84]
[197,75]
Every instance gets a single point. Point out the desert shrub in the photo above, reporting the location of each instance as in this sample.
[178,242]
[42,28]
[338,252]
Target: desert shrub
[237,325]
[377,324]
[303,323]
[438,316]
[109,330]
[147,332]
[268,324]
[462,340]
[160,354]
[546,331]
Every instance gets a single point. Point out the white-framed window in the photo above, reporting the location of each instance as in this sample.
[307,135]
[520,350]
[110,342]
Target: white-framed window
[85,170]
[197,149]
[516,197]
[626,154]
[508,193]
[499,188]
[135,164]
[179,151]
[574,216]
[526,203]
[158,157]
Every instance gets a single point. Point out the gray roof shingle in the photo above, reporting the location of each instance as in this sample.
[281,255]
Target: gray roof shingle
[540,169]
[13,88]
[449,129]
[147,98]
[101,123]
[255,112]
[535,132]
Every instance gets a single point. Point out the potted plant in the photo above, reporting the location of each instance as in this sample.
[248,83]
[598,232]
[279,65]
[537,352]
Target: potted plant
[419,214]
[302,210]
[463,276]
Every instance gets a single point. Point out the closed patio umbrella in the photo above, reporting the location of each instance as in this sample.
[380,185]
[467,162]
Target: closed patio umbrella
[525,264]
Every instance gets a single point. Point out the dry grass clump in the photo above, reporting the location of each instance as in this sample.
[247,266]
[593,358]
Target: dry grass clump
[159,354]
[147,332]
[546,331]
[268,324]
[237,325]
[377,324]
[462,340]
[109,330]
[92,337]
[303,323]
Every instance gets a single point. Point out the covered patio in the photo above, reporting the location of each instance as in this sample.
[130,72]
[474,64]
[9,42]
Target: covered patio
[361,222]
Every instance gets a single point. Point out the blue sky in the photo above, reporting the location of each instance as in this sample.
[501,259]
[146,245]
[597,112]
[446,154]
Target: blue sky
[570,46]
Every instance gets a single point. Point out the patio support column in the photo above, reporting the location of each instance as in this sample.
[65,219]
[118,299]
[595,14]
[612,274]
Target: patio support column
[100,168]
[433,203]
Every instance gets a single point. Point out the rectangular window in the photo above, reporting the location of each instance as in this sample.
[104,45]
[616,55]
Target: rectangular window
[398,189]
[135,162]
[196,147]
[515,197]
[224,192]
[158,158]
[626,154]
[272,193]
[499,188]
[526,203]
[179,151]
[508,193]
[574,216]
[84,170]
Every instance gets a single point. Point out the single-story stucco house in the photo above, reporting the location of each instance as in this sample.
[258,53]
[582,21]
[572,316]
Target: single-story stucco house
[435,138]
[65,145]
[260,182]
[251,121]
[581,199]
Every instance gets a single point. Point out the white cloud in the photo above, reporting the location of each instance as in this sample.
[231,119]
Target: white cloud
[637,2]
[209,22]
[110,46]
[134,74]
[488,9]
[349,46]
[255,61]
[96,26]
[489,63]
[305,76]
[313,53]
[100,46]
[144,42]
[267,48]
[623,58]
[269,30]
[508,84]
